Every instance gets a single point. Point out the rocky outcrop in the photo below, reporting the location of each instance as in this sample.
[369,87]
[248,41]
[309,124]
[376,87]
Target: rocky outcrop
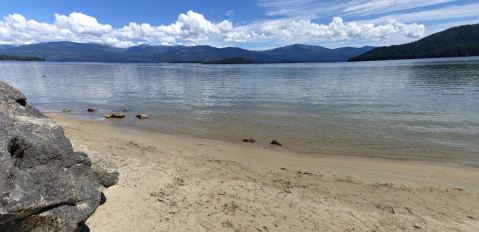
[44,184]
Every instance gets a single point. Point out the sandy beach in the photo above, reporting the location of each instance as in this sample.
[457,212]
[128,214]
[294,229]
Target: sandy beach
[180,183]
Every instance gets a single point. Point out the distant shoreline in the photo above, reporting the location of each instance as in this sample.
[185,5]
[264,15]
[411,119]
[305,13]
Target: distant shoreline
[19,58]
[459,58]
[448,58]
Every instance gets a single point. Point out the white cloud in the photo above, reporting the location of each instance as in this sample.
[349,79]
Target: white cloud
[336,30]
[191,27]
[81,23]
[194,28]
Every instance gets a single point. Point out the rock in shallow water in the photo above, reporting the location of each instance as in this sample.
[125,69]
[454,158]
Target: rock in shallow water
[44,184]
[115,115]
[142,116]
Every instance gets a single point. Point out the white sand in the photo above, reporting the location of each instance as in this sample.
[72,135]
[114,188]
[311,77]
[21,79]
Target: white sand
[176,183]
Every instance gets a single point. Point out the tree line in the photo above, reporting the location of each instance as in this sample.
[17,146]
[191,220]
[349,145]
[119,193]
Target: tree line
[20,58]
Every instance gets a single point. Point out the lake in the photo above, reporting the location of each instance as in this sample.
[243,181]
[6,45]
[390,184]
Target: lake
[411,109]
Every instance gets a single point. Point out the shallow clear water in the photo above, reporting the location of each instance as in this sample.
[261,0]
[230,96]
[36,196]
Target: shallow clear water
[422,109]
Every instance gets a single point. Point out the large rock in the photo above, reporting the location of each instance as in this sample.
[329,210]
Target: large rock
[44,184]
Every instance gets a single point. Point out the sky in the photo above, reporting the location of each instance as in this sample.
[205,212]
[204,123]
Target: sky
[252,24]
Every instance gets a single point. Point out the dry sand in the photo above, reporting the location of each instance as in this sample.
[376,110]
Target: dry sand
[178,183]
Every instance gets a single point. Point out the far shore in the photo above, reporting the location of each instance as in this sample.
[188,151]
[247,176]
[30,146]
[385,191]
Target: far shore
[179,183]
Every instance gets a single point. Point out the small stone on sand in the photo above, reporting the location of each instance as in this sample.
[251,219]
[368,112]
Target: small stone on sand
[274,142]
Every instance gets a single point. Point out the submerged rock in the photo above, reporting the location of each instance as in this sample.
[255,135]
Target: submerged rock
[249,140]
[114,115]
[67,110]
[44,184]
[274,142]
[142,116]
[91,109]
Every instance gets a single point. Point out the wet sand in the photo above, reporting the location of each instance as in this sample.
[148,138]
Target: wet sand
[180,183]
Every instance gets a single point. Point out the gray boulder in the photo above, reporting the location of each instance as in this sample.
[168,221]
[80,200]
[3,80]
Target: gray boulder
[44,184]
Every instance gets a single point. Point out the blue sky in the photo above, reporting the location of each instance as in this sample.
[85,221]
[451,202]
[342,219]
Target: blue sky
[254,24]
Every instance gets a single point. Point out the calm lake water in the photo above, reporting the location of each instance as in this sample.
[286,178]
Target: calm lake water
[422,109]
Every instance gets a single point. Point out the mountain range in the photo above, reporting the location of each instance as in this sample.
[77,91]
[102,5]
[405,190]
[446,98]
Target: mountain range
[453,42]
[91,52]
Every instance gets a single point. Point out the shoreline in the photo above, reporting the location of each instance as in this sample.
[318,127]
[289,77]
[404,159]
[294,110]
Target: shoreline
[265,145]
[179,183]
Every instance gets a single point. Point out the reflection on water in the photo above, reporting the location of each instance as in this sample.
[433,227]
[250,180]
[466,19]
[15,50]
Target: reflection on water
[411,109]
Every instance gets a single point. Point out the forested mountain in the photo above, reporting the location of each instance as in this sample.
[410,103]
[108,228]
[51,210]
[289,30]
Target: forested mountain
[90,52]
[4,46]
[308,53]
[68,51]
[453,42]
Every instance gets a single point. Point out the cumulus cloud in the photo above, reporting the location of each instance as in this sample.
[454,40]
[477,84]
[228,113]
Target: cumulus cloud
[336,30]
[81,23]
[193,28]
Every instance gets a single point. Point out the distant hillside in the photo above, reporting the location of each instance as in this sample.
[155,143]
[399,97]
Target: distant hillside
[68,51]
[90,52]
[307,53]
[202,54]
[453,42]
[4,46]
